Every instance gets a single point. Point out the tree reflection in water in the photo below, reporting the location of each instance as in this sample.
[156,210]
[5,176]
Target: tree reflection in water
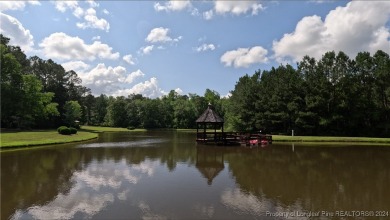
[163,176]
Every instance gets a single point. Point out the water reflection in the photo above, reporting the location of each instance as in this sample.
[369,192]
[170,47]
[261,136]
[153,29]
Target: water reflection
[209,162]
[165,175]
[96,186]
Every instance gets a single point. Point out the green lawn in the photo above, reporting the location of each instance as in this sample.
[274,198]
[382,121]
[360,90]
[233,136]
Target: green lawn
[105,129]
[41,137]
[328,139]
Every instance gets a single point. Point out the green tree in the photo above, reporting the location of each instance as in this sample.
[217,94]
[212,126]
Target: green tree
[35,104]
[11,86]
[116,113]
[72,112]
[101,104]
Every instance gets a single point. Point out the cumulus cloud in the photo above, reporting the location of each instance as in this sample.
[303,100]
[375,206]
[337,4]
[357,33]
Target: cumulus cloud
[205,47]
[147,49]
[129,59]
[160,35]
[73,6]
[108,80]
[356,27]
[92,21]
[244,57]
[77,66]
[12,28]
[237,7]
[16,5]
[132,76]
[172,5]
[179,91]
[65,47]
[149,88]
[208,15]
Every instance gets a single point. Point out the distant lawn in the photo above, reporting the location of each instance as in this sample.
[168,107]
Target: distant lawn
[106,129]
[41,137]
[328,139]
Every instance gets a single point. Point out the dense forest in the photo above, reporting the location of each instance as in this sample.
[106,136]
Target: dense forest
[335,95]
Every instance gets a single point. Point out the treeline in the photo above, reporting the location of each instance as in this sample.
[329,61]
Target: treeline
[36,92]
[335,95]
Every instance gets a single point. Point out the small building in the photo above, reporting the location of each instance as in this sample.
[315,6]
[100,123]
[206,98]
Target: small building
[209,129]
[207,125]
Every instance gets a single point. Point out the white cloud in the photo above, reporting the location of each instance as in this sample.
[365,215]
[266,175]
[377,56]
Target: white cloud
[244,57]
[64,47]
[359,26]
[12,28]
[106,80]
[16,5]
[62,6]
[160,35]
[172,5]
[129,59]
[237,7]
[179,91]
[208,15]
[132,76]
[105,11]
[93,4]
[96,38]
[205,47]
[92,21]
[77,66]
[149,89]
[147,49]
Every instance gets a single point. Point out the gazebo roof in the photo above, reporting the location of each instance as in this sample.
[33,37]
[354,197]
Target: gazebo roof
[209,116]
[210,170]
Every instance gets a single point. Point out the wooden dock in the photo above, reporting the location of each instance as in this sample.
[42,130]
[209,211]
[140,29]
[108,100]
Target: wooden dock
[233,138]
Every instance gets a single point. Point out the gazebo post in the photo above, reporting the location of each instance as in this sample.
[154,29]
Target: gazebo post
[204,131]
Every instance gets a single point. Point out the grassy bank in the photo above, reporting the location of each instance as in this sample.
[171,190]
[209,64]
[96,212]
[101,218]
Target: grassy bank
[42,137]
[286,138]
[105,129]
[15,139]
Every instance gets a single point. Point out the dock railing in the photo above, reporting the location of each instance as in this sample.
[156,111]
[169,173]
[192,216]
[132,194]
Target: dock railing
[231,138]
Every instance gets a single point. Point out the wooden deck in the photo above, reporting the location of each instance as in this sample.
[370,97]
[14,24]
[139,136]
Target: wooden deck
[233,138]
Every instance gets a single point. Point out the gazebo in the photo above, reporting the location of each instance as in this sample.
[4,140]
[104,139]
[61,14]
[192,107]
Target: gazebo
[209,117]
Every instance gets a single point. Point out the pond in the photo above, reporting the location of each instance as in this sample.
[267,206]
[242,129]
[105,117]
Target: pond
[166,175]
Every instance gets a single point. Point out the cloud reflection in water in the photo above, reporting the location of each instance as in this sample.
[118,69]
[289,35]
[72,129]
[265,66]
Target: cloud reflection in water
[133,143]
[95,187]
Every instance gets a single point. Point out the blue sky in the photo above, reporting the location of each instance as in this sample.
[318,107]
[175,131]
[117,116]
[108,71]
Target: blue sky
[152,47]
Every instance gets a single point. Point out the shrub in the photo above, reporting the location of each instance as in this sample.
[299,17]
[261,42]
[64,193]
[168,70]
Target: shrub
[73,130]
[60,129]
[131,128]
[65,131]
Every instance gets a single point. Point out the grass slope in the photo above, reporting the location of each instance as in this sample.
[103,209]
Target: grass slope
[106,129]
[42,137]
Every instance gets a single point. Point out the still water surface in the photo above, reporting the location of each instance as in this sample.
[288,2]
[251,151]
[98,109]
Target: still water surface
[166,175]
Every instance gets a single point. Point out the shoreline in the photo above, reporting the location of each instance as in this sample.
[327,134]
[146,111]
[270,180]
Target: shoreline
[10,139]
[38,138]
[329,139]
